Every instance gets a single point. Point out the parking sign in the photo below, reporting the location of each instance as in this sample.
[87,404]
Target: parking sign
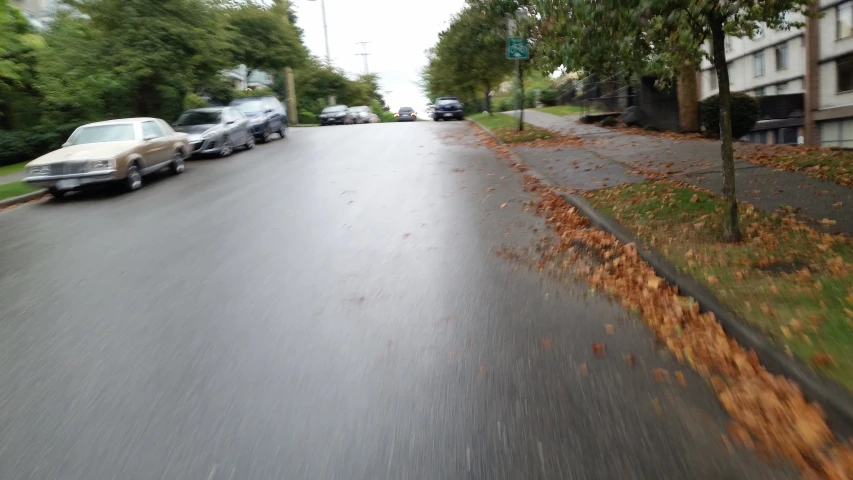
[516,49]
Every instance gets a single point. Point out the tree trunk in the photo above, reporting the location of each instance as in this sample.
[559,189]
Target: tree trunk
[488,101]
[731,224]
[688,100]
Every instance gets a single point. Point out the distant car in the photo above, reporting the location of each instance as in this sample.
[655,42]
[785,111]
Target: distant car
[215,130]
[447,108]
[361,114]
[336,115]
[120,151]
[266,116]
[406,114]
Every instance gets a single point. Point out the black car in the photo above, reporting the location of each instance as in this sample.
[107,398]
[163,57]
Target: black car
[337,115]
[406,114]
[266,116]
[447,108]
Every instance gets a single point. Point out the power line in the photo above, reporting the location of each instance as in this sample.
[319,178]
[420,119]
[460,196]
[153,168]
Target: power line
[365,54]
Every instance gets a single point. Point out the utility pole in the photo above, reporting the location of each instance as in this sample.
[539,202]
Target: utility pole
[365,54]
[291,96]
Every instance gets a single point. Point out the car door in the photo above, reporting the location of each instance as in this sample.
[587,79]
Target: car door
[156,147]
[241,124]
[231,126]
[275,114]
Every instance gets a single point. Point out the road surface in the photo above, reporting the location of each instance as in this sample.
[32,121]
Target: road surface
[330,306]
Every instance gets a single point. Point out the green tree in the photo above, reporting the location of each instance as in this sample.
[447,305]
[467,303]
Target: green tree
[18,49]
[470,56]
[266,39]
[665,37]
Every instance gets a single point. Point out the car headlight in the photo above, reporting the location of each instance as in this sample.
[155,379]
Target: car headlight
[211,133]
[39,170]
[104,164]
[258,120]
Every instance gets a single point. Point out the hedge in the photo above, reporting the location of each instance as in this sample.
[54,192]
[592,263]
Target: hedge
[24,145]
[745,114]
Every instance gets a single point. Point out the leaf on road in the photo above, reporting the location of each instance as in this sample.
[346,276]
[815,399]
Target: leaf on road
[598,349]
[609,329]
[660,375]
[503,205]
[547,344]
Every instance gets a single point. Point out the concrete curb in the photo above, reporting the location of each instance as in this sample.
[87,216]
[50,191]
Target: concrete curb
[836,402]
[8,202]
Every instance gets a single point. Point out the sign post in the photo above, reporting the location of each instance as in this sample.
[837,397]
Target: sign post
[517,49]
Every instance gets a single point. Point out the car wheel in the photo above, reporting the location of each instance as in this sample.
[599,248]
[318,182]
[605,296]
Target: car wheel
[265,137]
[56,193]
[178,165]
[227,147]
[282,130]
[133,180]
[250,143]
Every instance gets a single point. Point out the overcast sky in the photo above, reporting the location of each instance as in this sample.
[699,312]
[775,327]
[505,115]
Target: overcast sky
[399,31]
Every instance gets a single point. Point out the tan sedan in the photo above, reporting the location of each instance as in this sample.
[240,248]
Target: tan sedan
[120,151]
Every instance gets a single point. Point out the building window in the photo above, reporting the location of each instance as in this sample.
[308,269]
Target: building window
[782,56]
[713,80]
[781,89]
[837,134]
[844,20]
[786,136]
[758,64]
[756,137]
[759,92]
[844,71]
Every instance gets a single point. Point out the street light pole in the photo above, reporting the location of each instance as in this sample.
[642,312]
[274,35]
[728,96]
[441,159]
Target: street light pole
[325,30]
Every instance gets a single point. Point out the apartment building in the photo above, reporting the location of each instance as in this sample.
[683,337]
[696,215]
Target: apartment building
[36,8]
[815,61]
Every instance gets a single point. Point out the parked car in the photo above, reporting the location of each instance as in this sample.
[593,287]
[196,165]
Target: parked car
[361,114]
[215,130]
[406,114]
[447,108]
[266,116]
[374,118]
[336,115]
[120,151]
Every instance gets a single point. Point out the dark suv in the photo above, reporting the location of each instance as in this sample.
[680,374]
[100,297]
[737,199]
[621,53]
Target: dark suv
[447,108]
[266,116]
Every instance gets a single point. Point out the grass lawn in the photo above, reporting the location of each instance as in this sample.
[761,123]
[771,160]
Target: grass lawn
[790,281]
[825,164]
[505,127]
[8,190]
[14,168]
[562,110]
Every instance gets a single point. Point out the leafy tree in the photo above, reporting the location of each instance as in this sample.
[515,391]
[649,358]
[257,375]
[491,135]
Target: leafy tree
[470,56]
[266,39]
[18,47]
[661,36]
[316,82]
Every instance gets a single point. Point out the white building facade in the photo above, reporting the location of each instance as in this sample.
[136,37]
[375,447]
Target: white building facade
[816,61]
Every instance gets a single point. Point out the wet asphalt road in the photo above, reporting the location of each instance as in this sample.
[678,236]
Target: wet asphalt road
[330,306]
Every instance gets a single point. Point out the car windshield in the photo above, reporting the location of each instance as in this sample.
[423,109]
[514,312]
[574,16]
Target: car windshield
[406,110]
[446,101]
[199,118]
[335,108]
[251,108]
[121,132]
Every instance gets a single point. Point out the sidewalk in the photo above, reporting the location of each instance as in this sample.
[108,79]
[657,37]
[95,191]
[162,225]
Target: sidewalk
[613,157]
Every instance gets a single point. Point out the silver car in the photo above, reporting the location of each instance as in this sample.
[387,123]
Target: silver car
[361,114]
[215,130]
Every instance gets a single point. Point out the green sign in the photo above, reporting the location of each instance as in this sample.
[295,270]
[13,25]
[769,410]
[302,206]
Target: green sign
[516,49]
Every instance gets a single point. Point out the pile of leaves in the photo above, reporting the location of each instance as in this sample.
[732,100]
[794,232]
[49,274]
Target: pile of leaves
[822,163]
[770,414]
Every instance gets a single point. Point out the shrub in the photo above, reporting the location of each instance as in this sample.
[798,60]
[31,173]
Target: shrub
[745,113]
[307,118]
[529,98]
[548,97]
[194,101]
[608,122]
[505,105]
[25,145]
